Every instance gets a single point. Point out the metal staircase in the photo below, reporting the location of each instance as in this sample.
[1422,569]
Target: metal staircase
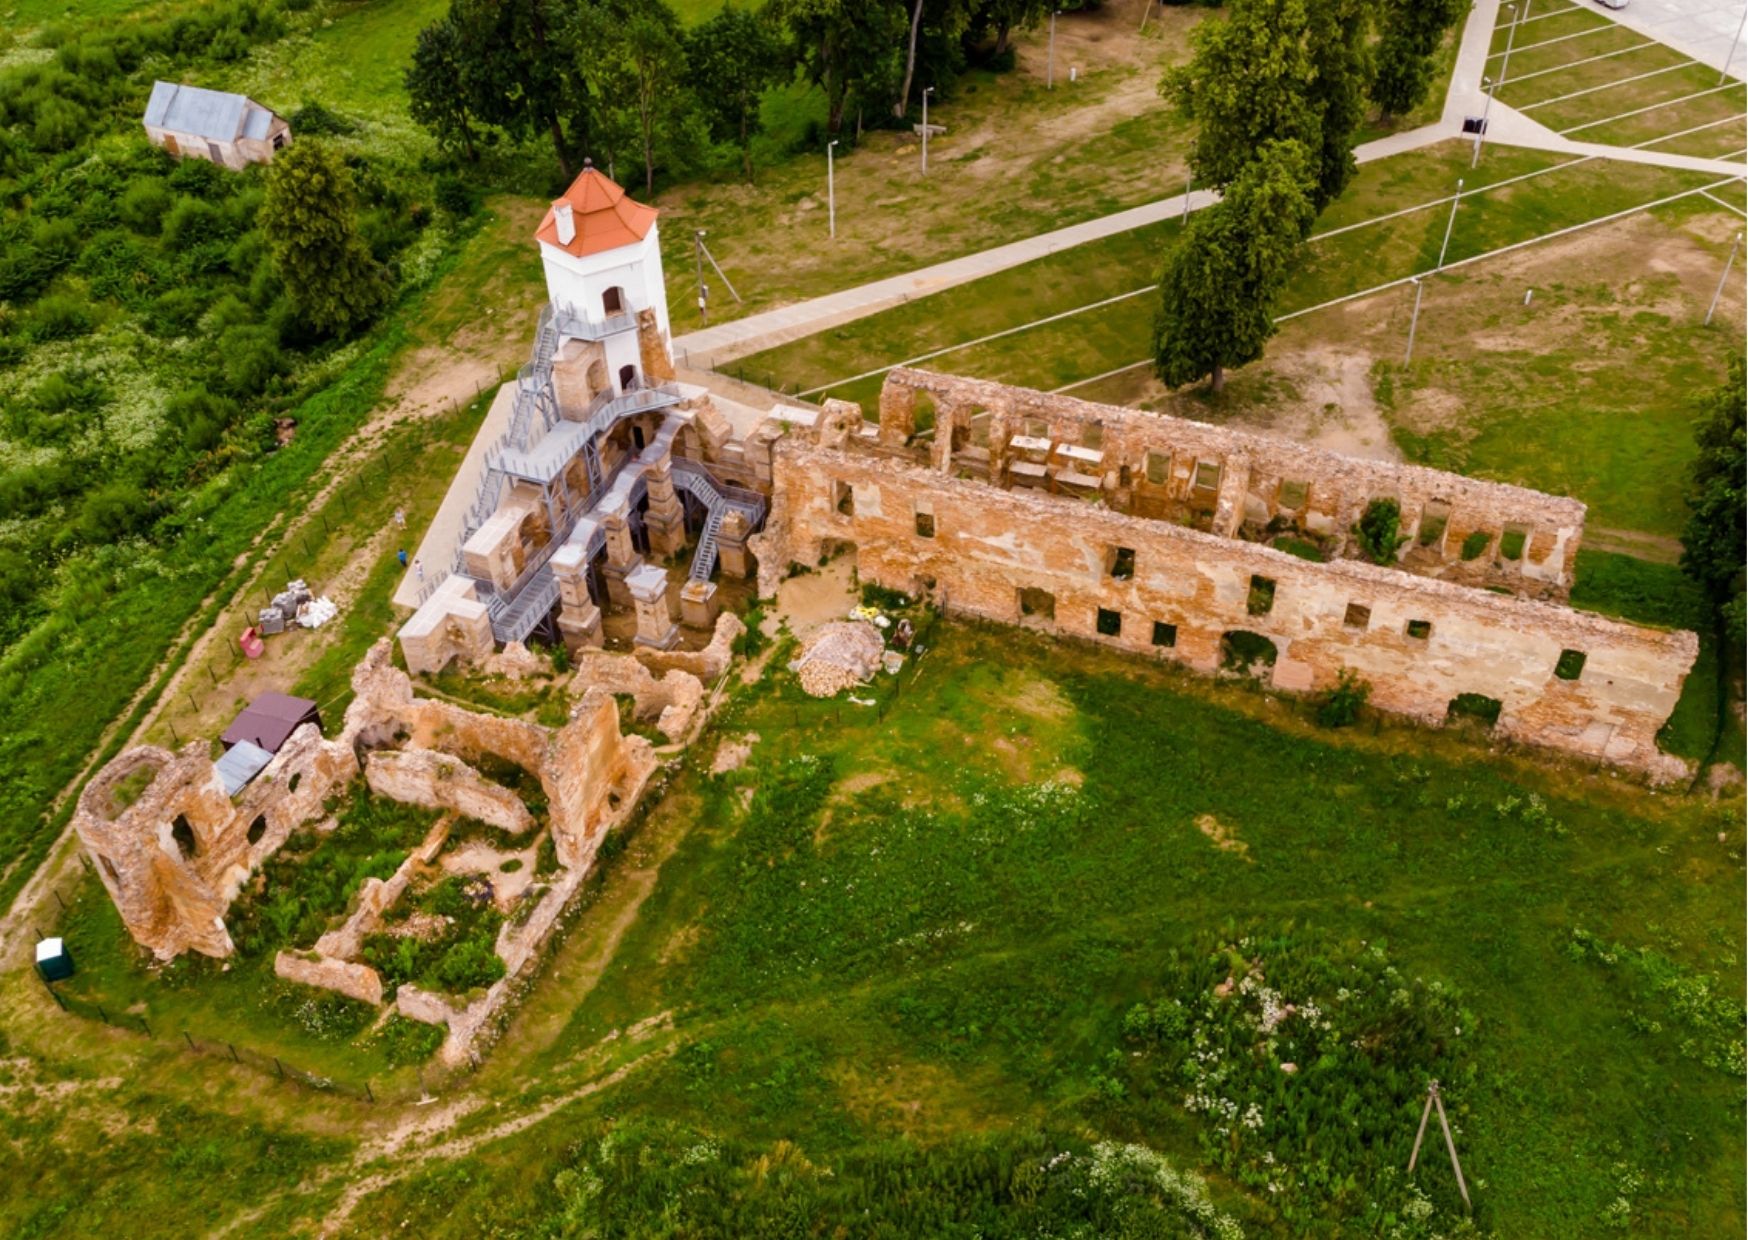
[719,499]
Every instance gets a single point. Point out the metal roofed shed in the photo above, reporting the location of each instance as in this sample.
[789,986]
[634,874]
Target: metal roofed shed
[269,721]
[53,960]
[240,764]
[216,125]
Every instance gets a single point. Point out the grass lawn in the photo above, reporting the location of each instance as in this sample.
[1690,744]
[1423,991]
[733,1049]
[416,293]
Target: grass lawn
[907,941]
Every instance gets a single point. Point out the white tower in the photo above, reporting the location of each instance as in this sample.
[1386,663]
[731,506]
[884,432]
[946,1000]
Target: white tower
[603,264]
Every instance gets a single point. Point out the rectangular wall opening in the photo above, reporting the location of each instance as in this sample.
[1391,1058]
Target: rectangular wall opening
[925,525]
[844,498]
[1433,519]
[1358,616]
[1420,630]
[1207,476]
[1164,634]
[1158,468]
[1570,665]
[1110,623]
[1262,596]
[1122,561]
[1293,495]
[1038,603]
[1511,542]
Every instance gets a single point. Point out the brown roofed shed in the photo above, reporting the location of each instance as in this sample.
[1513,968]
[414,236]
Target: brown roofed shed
[270,720]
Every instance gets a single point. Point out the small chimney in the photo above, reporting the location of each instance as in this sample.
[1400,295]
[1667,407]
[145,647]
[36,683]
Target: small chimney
[567,224]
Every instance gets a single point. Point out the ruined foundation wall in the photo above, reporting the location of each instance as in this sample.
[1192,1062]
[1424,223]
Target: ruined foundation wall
[988,545]
[1233,483]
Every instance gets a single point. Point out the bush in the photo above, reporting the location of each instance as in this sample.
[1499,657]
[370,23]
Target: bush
[1379,531]
[1340,707]
[456,197]
[190,222]
[314,120]
[144,204]
[59,318]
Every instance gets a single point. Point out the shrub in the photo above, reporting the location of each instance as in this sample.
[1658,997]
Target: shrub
[59,317]
[312,119]
[1340,707]
[884,599]
[1379,531]
[249,359]
[190,222]
[456,197]
[144,204]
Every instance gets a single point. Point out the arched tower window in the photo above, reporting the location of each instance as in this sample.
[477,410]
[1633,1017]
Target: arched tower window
[183,833]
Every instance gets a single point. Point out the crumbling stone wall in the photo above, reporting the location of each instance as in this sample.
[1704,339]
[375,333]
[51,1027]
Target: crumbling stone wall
[1155,587]
[174,858]
[1229,482]
[439,781]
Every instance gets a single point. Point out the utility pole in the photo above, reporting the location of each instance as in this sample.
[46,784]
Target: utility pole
[927,91]
[1414,319]
[831,191]
[1449,224]
[1050,60]
[703,291]
[1723,279]
[1493,84]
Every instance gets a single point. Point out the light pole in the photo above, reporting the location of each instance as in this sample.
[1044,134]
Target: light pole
[831,191]
[703,290]
[1050,56]
[1414,320]
[1449,224]
[927,91]
[1494,84]
[1731,55]
[1730,262]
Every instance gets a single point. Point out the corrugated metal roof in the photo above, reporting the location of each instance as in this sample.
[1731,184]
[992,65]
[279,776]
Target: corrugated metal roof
[214,114]
[258,121]
[241,763]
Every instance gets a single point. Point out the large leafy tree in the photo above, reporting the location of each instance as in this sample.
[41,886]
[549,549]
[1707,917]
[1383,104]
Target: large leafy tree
[437,89]
[310,217]
[518,74]
[1006,16]
[1221,282]
[1410,35]
[1339,37]
[1715,545]
[1248,83]
[849,48]
[735,57]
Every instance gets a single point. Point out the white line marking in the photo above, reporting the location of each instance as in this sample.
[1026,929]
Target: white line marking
[1530,47]
[1667,103]
[1727,206]
[1542,17]
[1670,137]
[1573,64]
[1591,90]
[1462,262]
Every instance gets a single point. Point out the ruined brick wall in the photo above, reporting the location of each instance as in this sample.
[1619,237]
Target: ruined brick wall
[1233,483]
[1419,642]
[174,858]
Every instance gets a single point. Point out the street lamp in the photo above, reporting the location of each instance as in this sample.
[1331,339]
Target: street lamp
[1414,320]
[703,289]
[1450,224]
[1492,85]
[831,190]
[927,91]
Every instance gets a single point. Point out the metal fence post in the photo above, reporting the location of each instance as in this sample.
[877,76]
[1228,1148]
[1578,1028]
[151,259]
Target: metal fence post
[190,1039]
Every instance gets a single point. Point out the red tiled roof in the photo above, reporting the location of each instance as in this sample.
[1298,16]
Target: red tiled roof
[605,218]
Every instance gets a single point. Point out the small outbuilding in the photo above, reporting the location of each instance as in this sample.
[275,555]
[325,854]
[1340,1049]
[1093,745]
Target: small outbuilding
[53,960]
[215,125]
[268,722]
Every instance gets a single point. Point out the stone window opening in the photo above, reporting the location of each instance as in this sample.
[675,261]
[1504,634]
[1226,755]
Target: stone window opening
[1122,563]
[1511,542]
[925,524]
[1358,616]
[1109,623]
[258,828]
[1262,596]
[182,831]
[844,499]
[1207,476]
[1570,665]
[1420,630]
[296,779]
[1158,468]
[1035,602]
[1433,518]
[1092,435]
[1473,706]
[1293,495]
[1247,653]
[1164,634]
[1037,428]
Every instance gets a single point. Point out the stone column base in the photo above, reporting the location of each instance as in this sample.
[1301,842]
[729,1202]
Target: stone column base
[613,577]
[698,604]
[580,627]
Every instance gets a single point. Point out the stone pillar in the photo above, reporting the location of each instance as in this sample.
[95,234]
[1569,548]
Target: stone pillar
[652,349]
[698,604]
[838,420]
[579,620]
[731,546]
[897,414]
[1234,485]
[665,518]
[648,586]
[622,556]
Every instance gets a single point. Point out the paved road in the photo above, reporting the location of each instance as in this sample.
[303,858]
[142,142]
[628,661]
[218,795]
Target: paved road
[1702,29]
[714,346]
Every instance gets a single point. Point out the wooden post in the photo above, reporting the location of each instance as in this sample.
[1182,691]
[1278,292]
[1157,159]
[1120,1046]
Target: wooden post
[1424,1116]
[190,1040]
[367,1092]
[233,1049]
[278,1067]
[1451,1145]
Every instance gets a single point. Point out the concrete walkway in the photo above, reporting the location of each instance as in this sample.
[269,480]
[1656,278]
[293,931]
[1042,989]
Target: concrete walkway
[715,346]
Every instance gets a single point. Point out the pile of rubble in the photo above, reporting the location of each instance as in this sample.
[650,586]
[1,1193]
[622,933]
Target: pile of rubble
[840,656]
[295,605]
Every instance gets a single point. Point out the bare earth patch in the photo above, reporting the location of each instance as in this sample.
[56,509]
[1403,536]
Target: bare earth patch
[731,755]
[1222,836]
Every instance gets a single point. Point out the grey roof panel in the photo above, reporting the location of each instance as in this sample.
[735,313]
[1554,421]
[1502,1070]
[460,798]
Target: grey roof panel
[241,763]
[258,121]
[213,114]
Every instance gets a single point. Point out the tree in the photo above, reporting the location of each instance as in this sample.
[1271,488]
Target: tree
[1248,83]
[735,57]
[1340,49]
[1412,30]
[848,48]
[1007,16]
[1219,287]
[437,85]
[518,74]
[1714,544]
[310,217]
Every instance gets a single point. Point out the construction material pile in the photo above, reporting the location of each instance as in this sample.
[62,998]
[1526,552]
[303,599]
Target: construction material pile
[839,656]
